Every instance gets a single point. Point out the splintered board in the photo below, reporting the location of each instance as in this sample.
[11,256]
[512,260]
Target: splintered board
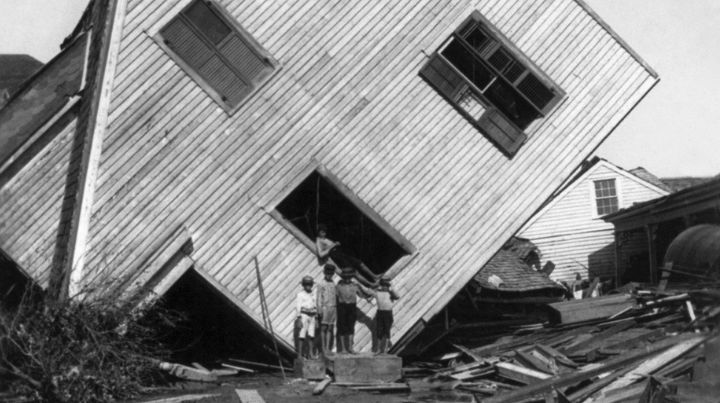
[365,367]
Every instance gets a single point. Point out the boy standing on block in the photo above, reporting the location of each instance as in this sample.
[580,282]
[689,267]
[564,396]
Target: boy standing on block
[306,312]
[347,292]
[385,297]
[326,305]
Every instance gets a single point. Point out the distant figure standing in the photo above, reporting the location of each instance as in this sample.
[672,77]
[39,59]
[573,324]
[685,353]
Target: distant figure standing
[327,308]
[306,310]
[576,287]
[385,297]
[327,249]
[347,292]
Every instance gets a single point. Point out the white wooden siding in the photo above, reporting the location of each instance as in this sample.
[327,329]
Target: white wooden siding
[571,234]
[349,96]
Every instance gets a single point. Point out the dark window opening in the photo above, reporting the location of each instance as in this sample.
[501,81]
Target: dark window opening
[318,201]
[606,196]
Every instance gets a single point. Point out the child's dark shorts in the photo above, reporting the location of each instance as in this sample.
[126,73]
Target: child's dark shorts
[383,323]
[346,317]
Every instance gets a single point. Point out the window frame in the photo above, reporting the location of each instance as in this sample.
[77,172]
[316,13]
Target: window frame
[595,198]
[492,113]
[235,26]
[395,235]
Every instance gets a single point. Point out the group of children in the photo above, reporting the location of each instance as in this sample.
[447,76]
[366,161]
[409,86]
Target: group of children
[334,306]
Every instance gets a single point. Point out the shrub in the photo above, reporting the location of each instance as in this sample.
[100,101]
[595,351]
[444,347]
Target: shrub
[89,350]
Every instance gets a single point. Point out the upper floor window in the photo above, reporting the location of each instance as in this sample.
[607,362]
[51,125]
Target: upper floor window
[491,82]
[218,53]
[606,198]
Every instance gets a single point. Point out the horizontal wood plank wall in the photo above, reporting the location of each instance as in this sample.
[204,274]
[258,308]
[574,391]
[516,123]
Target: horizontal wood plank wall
[31,203]
[348,95]
[569,231]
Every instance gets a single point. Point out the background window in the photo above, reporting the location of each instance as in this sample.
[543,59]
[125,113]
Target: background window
[221,56]
[606,198]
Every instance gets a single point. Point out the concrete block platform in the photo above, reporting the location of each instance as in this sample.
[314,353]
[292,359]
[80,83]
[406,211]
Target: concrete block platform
[364,367]
[310,369]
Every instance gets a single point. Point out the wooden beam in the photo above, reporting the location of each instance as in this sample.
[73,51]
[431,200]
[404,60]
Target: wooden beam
[653,364]
[520,374]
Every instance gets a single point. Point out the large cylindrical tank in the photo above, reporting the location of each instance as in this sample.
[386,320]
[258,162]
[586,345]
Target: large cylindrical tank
[697,251]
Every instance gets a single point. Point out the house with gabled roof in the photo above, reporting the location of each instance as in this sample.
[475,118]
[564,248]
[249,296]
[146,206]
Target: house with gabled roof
[570,230]
[212,137]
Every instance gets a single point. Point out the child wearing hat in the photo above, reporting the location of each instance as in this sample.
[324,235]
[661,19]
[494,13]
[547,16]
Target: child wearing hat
[385,296]
[306,312]
[347,292]
[326,305]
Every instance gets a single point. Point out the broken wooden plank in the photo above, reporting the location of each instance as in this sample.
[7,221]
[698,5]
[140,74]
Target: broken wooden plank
[590,309]
[224,372]
[237,368]
[259,364]
[531,359]
[520,374]
[188,373]
[653,364]
[320,387]
[249,396]
[468,352]
[384,387]
[199,366]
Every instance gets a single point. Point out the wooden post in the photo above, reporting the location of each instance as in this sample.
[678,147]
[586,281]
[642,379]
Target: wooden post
[651,230]
[617,259]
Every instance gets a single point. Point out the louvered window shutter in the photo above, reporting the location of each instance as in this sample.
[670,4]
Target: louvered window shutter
[453,86]
[222,56]
[444,78]
[506,135]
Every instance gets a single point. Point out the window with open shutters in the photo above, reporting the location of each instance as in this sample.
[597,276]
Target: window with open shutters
[492,83]
[225,60]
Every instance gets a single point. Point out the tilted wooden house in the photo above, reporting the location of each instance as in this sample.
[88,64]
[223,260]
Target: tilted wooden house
[570,230]
[211,135]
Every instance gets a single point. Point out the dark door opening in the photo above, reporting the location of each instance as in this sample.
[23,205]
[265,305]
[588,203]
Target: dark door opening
[213,329]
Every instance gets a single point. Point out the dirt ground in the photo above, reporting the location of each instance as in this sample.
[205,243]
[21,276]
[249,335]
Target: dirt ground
[273,389]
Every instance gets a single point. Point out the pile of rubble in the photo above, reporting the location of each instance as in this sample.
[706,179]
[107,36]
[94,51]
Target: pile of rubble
[643,344]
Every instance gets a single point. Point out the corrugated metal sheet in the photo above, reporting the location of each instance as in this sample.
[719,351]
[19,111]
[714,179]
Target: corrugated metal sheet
[570,233]
[349,96]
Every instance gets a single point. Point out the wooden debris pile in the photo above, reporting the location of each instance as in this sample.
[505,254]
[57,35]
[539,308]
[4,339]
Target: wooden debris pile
[611,349]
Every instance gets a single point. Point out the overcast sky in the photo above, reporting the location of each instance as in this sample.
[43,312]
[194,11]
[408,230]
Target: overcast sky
[673,132]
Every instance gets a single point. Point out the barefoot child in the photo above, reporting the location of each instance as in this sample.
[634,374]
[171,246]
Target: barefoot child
[326,305]
[385,297]
[306,312]
[347,292]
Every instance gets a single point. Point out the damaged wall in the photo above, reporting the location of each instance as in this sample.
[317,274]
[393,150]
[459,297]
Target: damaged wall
[347,96]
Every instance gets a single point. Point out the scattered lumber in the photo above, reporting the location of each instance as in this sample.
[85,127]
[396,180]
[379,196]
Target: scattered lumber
[620,347]
[238,368]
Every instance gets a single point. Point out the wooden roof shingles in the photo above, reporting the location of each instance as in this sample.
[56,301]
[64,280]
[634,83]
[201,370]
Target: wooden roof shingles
[510,266]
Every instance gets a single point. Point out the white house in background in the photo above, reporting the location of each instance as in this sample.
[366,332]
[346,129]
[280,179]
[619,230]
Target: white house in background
[569,230]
